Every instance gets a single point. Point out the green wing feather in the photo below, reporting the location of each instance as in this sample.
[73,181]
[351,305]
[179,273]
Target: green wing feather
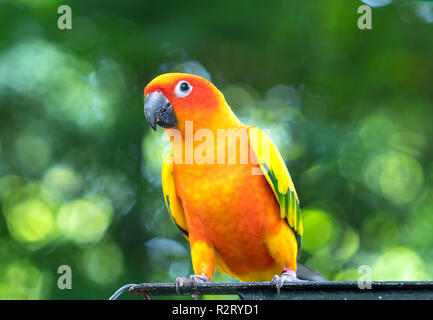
[172,201]
[274,169]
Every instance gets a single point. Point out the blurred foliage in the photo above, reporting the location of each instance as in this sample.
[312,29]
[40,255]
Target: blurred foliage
[350,110]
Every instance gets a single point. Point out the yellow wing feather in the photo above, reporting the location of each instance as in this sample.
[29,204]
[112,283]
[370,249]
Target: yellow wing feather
[172,201]
[274,169]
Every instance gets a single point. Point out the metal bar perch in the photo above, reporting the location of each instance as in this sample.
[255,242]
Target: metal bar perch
[306,290]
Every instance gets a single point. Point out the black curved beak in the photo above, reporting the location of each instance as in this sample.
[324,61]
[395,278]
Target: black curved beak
[159,111]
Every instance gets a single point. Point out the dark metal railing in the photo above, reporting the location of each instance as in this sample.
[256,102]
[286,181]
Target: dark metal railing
[306,290]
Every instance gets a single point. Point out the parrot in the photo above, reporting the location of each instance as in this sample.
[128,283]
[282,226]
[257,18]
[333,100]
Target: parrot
[241,218]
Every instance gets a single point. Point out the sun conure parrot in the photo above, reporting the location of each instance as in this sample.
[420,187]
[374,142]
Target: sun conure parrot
[245,224]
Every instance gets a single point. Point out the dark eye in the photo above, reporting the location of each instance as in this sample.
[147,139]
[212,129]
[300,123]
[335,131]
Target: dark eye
[183,88]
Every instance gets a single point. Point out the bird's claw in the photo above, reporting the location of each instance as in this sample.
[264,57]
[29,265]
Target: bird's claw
[286,276]
[179,283]
[195,278]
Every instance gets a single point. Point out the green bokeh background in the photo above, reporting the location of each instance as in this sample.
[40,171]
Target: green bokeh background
[350,110]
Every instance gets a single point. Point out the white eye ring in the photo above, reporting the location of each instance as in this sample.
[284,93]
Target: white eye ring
[182,89]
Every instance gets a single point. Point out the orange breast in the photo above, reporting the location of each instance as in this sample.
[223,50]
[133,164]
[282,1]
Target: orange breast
[234,210]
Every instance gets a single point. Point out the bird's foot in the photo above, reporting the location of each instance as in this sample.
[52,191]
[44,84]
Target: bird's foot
[287,276]
[195,278]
